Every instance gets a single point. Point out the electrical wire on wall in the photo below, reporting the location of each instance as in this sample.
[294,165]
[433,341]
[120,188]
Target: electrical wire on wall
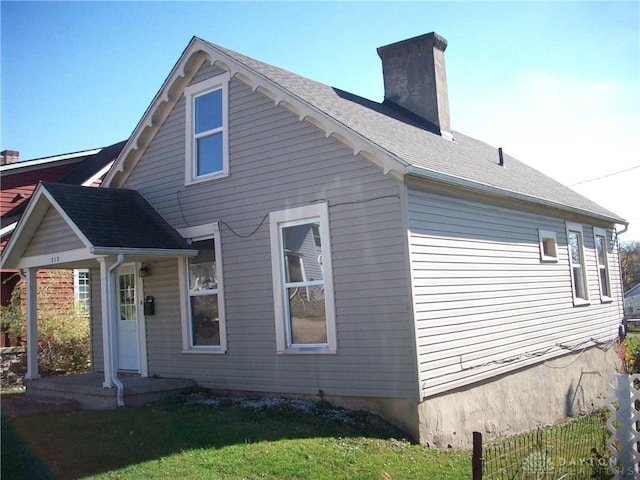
[266,215]
[578,347]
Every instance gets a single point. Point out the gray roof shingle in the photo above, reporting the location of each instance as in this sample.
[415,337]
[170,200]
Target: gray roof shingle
[116,218]
[415,145]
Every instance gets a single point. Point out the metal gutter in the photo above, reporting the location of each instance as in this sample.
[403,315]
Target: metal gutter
[147,252]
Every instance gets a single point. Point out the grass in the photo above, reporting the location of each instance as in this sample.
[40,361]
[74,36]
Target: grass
[17,459]
[225,441]
[575,448]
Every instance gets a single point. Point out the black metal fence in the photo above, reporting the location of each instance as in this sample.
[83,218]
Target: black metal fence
[575,449]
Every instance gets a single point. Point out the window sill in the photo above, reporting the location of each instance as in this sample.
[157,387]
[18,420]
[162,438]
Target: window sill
[548,260]
[581,302]
[206,178]
[308,350]
[204,351]
[606,300]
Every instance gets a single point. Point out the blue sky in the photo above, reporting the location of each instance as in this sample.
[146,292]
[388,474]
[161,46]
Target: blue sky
[556,84]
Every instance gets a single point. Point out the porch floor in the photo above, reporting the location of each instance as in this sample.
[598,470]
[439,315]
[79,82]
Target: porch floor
[86,389]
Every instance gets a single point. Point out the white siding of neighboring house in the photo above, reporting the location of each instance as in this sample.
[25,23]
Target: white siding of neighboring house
[279,162]
[484,302]
[632,303]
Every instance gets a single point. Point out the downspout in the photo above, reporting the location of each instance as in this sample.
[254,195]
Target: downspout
[114,333]
[622,328]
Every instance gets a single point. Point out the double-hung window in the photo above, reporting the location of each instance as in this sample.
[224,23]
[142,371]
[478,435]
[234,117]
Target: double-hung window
[207,132]
[600,236]
[575,242]
[204,327]
[302,280]
[82,291]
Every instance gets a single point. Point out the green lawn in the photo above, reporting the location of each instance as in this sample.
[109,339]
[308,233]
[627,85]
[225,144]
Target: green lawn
[226,441]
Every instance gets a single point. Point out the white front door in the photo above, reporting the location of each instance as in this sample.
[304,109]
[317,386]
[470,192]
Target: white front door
[128,344]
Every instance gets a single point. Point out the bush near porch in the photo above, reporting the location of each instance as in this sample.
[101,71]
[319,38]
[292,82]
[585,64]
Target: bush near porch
[63,331]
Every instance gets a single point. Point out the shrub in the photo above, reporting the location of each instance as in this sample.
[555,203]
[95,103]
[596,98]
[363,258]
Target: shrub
[63,333]
[632,355]
[63,342]
[12,314]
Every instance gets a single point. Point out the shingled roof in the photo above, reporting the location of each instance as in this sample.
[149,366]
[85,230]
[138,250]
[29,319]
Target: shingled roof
[402,143]
[464,161]
[116,219]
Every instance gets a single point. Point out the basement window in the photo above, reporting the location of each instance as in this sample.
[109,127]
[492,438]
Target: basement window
[548,246]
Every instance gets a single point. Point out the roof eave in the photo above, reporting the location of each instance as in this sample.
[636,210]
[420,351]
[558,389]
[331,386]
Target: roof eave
[55,161]
[425,173]
[197,52]
[146,252]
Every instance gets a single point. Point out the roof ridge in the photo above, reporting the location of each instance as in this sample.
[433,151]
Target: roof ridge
[380,133]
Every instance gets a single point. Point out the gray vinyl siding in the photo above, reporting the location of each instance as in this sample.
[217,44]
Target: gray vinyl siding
[53,235]
[97,356]
[279,162]
[484,302]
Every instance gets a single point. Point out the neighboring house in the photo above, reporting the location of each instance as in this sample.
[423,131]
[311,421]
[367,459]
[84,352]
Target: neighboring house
[264,232]
[18,182]
[632,302]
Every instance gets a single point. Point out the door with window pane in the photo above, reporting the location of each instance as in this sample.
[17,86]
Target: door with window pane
[127,308]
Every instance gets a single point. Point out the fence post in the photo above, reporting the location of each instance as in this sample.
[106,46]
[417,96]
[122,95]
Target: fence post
[476,457]
[625,413]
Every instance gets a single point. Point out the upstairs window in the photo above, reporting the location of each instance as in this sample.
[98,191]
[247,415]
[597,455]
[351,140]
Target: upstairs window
[575,242]
[207,133]
[602,258]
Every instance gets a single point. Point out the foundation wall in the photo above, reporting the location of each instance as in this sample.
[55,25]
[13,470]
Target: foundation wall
[518,401]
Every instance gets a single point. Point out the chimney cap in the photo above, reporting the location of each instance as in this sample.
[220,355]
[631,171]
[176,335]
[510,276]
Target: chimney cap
[430,40]
[9,156]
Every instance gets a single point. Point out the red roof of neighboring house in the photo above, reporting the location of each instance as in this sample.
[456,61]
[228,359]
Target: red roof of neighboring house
[20,179]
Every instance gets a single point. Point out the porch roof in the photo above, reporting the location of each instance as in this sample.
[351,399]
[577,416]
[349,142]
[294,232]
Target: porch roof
[107,221]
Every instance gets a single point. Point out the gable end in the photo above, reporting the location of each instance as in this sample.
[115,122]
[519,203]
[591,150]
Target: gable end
[197,53]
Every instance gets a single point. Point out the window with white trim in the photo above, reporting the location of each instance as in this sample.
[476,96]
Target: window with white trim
[204,328]
[207,132]
[303,280]
[602,260]
[548,246]
[575,241]
[82,291]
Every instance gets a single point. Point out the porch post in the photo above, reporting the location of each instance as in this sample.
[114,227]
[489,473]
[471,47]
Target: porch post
[32,324]
[106,331]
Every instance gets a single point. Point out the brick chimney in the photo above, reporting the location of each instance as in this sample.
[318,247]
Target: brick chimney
[415,79]
[9,156]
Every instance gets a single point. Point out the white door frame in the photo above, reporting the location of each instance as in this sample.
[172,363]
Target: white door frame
[141,321]
[142,324]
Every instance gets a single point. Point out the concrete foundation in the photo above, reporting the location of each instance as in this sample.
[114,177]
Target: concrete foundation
[518,401]
[400,412]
